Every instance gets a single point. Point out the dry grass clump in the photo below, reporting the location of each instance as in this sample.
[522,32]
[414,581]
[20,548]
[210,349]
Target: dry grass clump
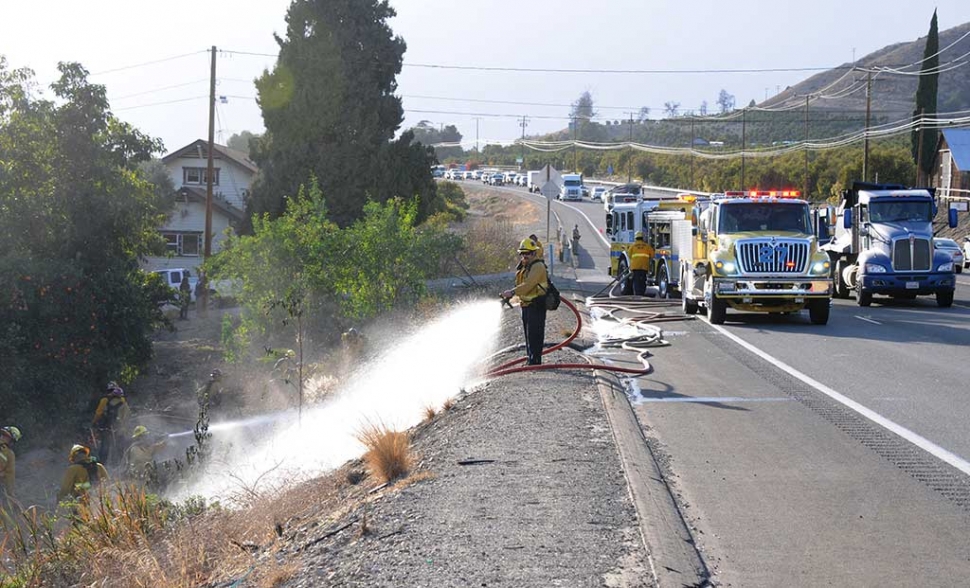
[388,452]
[448,405]
[430,413]
[123,537]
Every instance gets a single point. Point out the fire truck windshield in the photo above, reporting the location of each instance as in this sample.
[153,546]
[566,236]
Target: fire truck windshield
[763,216]
[890,211]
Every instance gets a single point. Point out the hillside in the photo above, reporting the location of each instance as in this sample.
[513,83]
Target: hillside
[892,94]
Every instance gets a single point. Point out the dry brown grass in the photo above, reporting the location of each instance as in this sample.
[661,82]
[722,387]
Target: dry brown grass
[430,413]
[388,452]
[448,405]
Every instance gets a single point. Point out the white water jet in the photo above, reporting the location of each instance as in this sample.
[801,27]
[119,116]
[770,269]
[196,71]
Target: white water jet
[425,369]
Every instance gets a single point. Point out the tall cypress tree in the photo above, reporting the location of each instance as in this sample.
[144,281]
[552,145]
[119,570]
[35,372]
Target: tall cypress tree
[926,94]
[330,111]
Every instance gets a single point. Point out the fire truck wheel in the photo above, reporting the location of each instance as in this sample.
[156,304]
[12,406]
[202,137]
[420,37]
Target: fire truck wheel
[818,311]
[687,305]
[718,310]
[841,288]
[663,284]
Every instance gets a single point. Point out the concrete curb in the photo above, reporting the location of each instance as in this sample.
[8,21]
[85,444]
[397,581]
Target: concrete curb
[673,555]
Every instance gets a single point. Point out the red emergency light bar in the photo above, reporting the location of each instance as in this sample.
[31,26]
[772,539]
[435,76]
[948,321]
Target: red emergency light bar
[764,193]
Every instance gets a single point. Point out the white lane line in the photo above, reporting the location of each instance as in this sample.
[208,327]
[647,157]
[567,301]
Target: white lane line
[868,320]
[717,399]
[917,440]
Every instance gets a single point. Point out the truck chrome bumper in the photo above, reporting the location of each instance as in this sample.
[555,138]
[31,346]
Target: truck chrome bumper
[782,288]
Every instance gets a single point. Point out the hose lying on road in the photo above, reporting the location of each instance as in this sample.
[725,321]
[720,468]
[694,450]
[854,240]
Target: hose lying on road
[653,337]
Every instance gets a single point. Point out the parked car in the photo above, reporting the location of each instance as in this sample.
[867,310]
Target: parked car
[172,277]
[951,247]
[496,179]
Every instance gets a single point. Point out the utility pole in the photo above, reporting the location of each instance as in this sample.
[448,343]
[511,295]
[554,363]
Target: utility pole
[575,138]
[629,161]
[691,153]
[523,124]
[210,172]
[744,142]
[478,146]
[865,141]
[805,185]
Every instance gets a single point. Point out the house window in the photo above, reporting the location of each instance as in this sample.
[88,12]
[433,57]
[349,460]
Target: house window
[183,244]
[198,175]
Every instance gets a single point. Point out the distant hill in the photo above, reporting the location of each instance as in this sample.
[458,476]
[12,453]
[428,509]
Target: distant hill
[892,94]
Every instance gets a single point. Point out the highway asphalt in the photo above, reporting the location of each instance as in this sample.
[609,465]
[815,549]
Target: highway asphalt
[808,455]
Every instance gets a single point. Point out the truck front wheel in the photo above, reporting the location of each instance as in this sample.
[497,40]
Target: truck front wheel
[818,311]
[944,299]
[718,310]
[841,288]
[688,305]
[862,297]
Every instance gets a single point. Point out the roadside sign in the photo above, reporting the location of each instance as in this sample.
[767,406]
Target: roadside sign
[549,190]
[960,206]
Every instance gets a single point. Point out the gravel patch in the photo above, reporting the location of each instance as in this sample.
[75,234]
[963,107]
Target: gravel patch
[519,484]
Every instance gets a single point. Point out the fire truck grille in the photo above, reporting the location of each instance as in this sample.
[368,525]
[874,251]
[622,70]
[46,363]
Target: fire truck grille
[772,256]
[912,255]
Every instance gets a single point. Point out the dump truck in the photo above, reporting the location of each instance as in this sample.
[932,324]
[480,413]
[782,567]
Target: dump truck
[884,245]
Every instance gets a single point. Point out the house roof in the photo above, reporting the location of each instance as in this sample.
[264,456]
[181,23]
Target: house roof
[199,147]
[958,140]
[198,195]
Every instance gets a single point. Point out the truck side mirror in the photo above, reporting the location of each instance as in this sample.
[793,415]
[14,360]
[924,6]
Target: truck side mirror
[952,218]
[847,219]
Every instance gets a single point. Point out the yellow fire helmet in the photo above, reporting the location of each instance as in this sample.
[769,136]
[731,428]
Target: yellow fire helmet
[638,236]
[139,431]
[528,246]
[13,432]
[78,449]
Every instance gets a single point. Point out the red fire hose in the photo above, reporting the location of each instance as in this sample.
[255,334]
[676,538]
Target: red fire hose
[507,368]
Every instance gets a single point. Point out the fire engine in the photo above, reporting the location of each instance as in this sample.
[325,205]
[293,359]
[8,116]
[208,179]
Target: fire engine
[755,251]
[665,226]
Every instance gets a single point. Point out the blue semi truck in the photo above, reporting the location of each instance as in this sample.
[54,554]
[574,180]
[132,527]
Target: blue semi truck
[883,245]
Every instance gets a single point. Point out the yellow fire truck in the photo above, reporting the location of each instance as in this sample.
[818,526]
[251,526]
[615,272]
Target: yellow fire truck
[755,251]
[666,227]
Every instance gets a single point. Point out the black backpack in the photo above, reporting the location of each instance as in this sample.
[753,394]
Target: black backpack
[94,476]
[552,296]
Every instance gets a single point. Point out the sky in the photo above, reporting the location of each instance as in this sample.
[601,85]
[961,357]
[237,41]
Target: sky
[153,58]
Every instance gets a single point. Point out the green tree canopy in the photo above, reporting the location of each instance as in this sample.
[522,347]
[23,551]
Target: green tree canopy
[926,96]
[330,110]
[76,212]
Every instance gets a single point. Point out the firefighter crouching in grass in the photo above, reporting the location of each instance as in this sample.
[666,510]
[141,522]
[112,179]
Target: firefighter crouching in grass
[641,255]
[141,453]
[83,474]
[531,283]
[8,466]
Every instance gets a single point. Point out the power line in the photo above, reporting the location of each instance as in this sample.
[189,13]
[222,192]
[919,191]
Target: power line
[127,67]
[160,89]
[158,103]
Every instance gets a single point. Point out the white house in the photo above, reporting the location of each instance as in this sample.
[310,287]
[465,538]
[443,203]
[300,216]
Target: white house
[184,230]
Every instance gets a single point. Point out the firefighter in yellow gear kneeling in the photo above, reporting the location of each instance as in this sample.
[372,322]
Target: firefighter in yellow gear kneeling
[141,453]
[641,256]
[8,459]
[531,283]
[83,474]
